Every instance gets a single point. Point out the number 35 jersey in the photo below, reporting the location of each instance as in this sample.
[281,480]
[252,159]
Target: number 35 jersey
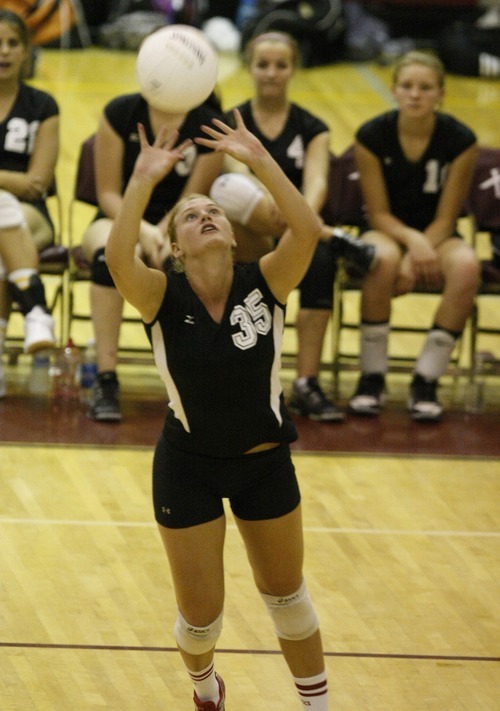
[222,378]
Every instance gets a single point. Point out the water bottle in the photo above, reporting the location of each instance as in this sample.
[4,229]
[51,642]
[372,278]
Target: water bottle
[65,375]
[88,373]
[39,380]
[474,388]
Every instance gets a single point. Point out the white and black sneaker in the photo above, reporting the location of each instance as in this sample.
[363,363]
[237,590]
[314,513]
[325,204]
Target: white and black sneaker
[369,396]
[38,330]
[310,401]
[356,253]
[423,403]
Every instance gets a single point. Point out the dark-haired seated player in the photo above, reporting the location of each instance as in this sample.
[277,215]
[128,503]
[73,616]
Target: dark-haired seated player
[29,146]
[116,149]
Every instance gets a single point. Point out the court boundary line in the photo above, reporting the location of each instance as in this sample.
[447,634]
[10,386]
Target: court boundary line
[138,648]
[232,527]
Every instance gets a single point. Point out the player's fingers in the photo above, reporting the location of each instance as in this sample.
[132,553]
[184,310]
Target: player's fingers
[222,126]
[166,141]
[184,145]
[212,132]
[143,141]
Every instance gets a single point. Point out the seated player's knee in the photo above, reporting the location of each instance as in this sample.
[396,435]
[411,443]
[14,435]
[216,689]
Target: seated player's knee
[237,194]
[100,273]
[11,212]
[293,615]
[197,640]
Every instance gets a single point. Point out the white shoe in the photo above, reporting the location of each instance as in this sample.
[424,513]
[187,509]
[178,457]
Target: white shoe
[38,331]
[2,381]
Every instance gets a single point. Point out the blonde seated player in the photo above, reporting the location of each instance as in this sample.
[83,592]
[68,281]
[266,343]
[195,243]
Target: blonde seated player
[216,330]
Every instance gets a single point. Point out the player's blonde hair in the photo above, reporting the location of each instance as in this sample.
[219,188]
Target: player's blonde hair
[277,37]
[178,264]
[427,59]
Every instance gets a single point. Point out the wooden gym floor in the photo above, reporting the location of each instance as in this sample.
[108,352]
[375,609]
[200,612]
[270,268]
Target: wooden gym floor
[401,520]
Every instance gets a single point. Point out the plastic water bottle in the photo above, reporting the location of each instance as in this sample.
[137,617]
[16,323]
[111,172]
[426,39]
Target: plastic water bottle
[474,389]
[88,373]
[39,380]
[65,374]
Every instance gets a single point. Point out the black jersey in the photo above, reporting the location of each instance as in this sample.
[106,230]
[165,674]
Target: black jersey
[123,114]
[18,131]
[289,148]
[414,187]
[222,379]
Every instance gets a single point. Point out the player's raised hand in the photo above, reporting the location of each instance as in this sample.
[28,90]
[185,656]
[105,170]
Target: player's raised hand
[238,142]
[155,161]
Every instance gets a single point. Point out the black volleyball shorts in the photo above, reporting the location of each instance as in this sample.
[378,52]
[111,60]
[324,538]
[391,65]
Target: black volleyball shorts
[189,489]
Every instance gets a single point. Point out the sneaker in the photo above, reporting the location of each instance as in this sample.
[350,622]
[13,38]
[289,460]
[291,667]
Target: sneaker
[369,396]
[105,406]
[3,390]
[38,331]
[357,253]
[310,401]
[423,403]
[210,705]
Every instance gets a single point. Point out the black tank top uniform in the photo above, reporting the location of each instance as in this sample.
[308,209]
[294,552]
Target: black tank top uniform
[222,379]
[288,149]
[124,113]
[414,187]
[18,132]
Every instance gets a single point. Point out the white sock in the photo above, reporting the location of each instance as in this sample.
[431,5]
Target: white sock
[313,692]
[374,345]
[205,683]
[37,310]
[435,355]
[21,277]
[302,383]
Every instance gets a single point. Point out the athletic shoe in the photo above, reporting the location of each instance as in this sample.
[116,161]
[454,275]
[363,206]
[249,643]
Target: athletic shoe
[3,390]
[38,331]
[354,251]
[310,401]
[210,705]
[369,396]
[105,406]
[423,403]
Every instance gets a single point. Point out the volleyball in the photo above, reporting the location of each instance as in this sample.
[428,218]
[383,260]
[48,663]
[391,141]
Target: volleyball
[176,68]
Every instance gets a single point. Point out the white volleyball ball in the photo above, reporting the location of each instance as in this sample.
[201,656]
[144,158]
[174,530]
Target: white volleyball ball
[176,68]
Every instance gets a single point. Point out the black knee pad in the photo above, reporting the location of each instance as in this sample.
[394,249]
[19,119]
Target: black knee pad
[316,288]
[99,272]
[28,298]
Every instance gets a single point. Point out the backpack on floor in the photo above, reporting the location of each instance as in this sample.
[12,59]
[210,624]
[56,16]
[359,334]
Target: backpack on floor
[317,25]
